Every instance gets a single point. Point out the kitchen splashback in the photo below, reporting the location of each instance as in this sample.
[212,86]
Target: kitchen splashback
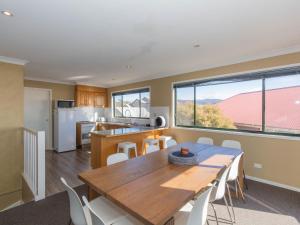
[89,113]
[154,112]
[160,111]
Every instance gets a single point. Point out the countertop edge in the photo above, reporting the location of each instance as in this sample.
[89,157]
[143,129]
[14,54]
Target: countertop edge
[136,132]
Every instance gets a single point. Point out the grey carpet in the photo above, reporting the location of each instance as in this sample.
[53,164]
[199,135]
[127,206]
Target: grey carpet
[54,210]
[265,205]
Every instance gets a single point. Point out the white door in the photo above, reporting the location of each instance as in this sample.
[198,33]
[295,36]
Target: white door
[37,103]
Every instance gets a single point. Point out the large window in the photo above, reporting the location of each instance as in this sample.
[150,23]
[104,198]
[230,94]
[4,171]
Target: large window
[132,104]
[265,102]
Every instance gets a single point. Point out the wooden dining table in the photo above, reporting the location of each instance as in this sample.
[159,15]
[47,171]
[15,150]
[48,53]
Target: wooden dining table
[152,189]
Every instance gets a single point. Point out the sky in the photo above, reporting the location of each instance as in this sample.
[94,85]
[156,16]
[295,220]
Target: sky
[132,97]
[224,91]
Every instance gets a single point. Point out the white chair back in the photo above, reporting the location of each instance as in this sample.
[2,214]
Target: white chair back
[76,209]
[205,140]
[171,143]
[234,170]
[199,211]
[221,186]
[115,158]
[96,220]
[152,148]
[231,144]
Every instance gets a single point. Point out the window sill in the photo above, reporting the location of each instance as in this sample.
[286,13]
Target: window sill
[134,118]
[239,133]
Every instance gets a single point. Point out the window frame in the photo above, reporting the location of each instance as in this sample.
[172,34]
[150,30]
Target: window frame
[133,91]
[263,75]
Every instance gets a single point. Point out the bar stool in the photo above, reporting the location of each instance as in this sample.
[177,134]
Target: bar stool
[150,141]
[127,147]
[164,140]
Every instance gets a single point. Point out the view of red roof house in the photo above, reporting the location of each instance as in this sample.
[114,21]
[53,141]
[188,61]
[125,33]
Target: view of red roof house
[282,109]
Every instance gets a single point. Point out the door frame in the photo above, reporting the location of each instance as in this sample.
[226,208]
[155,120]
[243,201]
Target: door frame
[50,125]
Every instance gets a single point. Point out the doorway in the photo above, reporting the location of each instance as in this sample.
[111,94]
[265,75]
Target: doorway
[37,111]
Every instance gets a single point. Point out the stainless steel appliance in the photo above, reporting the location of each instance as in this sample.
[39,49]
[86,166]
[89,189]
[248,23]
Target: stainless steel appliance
[86,128]
[64,103]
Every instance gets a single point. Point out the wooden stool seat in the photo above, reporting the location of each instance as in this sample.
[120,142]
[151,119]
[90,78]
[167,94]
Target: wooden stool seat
[127,147]
[164,140]
[150,142]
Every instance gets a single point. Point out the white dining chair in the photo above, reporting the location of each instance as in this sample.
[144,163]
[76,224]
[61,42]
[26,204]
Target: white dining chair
[236,145]
[77,212]
[115,158]
[196,213]
[218,193]
[80,214]
[152,148]
[97,219]
[171,143]
[205,140]
[233,176]
[232,144]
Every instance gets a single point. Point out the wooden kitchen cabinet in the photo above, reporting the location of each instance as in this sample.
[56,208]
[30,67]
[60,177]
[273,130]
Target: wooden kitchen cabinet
[90,96]
[90,99]
[100,99]
[82,99]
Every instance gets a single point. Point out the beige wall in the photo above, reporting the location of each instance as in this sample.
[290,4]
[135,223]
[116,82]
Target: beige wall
[59,91]
[11,122]
[280,158]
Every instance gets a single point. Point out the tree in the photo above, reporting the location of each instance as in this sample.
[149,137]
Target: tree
[206,116]
[185,114]
[212,116]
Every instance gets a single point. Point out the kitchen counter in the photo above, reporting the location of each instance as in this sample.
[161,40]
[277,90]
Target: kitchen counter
[125,131]
[105,142]
[114,123]
[83,129]
[106,122]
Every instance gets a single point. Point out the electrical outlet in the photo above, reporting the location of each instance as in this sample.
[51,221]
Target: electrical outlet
[258,166]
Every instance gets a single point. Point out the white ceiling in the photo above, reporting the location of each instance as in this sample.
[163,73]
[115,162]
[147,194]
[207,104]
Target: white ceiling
[93,41]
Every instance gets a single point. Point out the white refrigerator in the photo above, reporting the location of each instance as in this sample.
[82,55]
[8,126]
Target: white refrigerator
[64,129]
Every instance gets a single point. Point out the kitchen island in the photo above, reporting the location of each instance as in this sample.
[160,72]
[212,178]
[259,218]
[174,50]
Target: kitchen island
[105,142]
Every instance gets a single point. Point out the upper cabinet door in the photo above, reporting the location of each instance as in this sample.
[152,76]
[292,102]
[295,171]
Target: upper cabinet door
[99,99]
[90,96]
[81,98]
[90,99]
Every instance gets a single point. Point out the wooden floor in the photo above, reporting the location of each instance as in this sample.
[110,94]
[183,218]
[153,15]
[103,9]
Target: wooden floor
[67,165]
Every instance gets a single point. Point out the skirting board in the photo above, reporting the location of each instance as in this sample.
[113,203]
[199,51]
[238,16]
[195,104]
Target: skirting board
[13,205]
[273,183]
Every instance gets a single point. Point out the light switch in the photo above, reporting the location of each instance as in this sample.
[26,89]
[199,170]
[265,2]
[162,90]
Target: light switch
[258,166]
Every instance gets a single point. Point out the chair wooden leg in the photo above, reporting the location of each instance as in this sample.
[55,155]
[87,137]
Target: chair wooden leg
[236,189]
[230,201]
[212,205]
[245,181]
[241,191]
[225,200]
